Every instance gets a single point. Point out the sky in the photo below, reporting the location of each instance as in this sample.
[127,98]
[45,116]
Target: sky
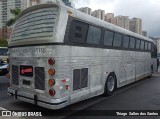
[147,10]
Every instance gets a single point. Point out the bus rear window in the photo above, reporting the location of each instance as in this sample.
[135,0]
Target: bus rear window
[38,23]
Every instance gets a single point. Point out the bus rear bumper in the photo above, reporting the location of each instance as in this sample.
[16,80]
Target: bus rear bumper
[40,101]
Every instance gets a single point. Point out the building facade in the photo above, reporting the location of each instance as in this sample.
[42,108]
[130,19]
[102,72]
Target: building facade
[100,14]
[86,10]
[157,41]
[6,6]
[144,33]
[122,21]
[136,25]
[109,17]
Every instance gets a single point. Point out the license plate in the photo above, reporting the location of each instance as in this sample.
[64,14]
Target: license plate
[26,71]
[26,82]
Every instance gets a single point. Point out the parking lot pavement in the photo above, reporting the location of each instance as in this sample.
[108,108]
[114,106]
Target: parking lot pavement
[3,80]
[141,95]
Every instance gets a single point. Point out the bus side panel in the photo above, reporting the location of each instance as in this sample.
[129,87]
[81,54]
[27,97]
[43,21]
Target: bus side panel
[112,63]
[89,59]
[140,69]
[147,60]
[154,63]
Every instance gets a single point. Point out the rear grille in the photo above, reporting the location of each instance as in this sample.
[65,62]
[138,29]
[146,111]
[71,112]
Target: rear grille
[38,23]
[84,78]
[39,78]
[15,76]
[76,79]
[80,78]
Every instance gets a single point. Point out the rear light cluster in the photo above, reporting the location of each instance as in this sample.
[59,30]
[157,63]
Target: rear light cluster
[52,92]
[51,82]
[51,61]
[51,72]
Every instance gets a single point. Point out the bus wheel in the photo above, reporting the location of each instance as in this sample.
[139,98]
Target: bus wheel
[110,85]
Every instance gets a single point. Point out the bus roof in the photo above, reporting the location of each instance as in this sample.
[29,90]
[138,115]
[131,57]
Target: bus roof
[82,16]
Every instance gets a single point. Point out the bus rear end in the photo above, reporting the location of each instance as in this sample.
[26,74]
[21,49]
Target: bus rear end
[35,75]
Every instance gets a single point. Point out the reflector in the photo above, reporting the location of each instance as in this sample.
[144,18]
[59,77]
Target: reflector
[52,92]
[51,61]
[51,72]
[51,82]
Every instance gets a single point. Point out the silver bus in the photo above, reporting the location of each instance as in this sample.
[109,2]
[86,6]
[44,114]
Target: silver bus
[59,56]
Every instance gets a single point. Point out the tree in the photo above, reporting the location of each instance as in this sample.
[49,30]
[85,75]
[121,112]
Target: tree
[3,43]
[15,12]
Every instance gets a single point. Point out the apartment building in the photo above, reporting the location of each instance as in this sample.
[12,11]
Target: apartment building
[6,6]
[86,10]
[144,33]
[100,14]
[109,17]
[136,25]
[122,21]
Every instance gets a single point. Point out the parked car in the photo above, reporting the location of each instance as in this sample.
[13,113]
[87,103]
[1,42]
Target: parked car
[3,68]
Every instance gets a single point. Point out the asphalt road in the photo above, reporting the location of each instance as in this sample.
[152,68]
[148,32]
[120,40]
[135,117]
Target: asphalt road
[142,95]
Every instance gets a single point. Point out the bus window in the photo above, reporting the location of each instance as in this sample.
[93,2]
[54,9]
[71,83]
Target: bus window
[154,51]
[78,32]
[146,45]
[117,40]
[137,43]
[36,24]
[108,38]
[94,35]
[149,46]
[142,45]
[126,42]
[132,42]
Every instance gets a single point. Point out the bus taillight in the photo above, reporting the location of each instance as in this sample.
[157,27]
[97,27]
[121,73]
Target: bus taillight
[52,92]
[51,72]
[51,61]
[51,82]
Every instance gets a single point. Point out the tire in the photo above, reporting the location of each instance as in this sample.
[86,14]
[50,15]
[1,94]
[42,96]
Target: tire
[150,76]
[110,85]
